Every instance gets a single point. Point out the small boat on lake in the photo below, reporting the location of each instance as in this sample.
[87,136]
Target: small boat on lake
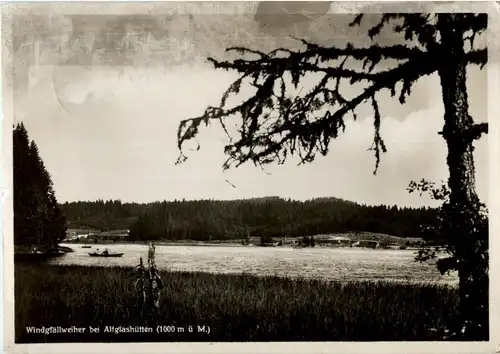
[86,246]
[103,254]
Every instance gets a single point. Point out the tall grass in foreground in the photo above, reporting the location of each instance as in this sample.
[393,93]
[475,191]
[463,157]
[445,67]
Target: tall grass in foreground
[236,307]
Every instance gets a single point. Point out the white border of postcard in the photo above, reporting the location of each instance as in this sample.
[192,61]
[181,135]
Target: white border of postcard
[493,8]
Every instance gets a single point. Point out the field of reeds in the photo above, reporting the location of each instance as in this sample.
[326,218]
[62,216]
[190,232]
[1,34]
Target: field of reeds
[234,307]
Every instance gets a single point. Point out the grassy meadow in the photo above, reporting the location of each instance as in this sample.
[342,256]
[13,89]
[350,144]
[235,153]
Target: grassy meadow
[235,307]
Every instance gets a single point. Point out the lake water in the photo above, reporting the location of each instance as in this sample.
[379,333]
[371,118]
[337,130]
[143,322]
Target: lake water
[343,264]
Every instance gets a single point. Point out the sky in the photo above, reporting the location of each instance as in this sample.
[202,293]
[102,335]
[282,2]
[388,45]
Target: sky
[106,120]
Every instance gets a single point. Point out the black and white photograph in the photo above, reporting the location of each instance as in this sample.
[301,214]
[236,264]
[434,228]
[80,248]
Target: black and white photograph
[247,172]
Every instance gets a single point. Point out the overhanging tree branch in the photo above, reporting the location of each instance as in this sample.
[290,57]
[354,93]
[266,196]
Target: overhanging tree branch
[293,126]
[276,124]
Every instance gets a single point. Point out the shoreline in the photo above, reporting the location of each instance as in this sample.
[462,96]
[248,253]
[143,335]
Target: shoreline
[223,244]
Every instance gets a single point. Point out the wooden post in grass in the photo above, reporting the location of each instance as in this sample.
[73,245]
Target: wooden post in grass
[155,284]
[150,286]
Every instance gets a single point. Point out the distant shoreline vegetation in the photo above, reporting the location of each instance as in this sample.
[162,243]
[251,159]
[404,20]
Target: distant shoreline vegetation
[209,220]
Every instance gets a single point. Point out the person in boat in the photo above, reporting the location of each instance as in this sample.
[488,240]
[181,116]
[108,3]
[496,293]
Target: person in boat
[105,252]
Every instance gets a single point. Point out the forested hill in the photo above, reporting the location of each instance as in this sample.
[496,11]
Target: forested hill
[102,215]
[272,216]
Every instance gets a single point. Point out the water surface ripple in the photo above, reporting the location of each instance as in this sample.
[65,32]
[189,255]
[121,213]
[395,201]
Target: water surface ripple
[345,264]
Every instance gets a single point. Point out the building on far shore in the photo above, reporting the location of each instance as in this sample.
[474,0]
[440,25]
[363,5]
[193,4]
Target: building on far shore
[115,235]
[79,234]
[332,241]
[366,244]
[75,235]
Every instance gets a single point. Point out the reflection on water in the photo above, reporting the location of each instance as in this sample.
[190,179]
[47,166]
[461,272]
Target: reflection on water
[319,263]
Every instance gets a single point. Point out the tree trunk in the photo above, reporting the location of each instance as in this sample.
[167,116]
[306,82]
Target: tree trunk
[467,235]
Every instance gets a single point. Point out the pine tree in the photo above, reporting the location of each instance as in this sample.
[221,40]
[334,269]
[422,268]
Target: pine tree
[24,201]
[275,125]
[38,219]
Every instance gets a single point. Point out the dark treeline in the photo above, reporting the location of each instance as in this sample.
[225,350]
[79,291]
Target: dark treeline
[223,220]
[38,219]
[274,217]
[102,215]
